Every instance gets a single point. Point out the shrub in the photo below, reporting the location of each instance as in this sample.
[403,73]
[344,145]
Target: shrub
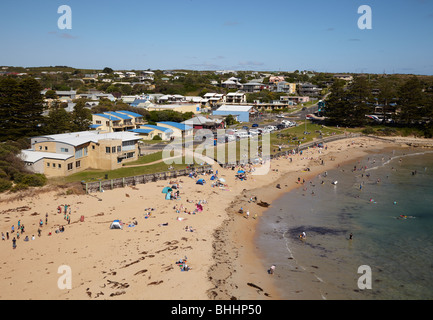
[5,185]
[19,187]
[157,138]
[368,130]
[32,180]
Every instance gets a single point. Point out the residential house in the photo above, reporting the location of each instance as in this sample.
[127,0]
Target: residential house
[308,89]
[66,95]
[345,77]
[211,99]
[276,79]
[286,87]
[295,99]
[252,87]
[235,97]
[232,83]
[182,108]
[168,98]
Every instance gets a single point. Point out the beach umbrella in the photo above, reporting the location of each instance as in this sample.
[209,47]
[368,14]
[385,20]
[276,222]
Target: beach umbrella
[241,171]
[166,190]
[222,180]
[200,181]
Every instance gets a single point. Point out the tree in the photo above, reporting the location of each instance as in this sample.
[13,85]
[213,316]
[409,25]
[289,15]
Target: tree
[387,94]
[411,100]
[81,116]
[359,101]
[348,106]
[107,70]
[229,120]
[58,120]
[51,94]
[21,107]
[336,108]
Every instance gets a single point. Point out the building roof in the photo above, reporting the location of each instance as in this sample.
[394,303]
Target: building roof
[119,115]
[82,137]
[163,129]
[235,108]
[107,116]
[33,156]
[200,120]
[177,125]
[130,113]
[141,130]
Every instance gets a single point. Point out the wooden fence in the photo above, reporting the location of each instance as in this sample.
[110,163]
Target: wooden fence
[101,185]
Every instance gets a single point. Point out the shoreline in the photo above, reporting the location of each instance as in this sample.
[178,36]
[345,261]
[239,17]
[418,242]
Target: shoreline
[139,262]
[239,285]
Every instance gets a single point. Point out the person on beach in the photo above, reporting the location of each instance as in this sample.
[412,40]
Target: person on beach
[272,269]
[14,243]
[350,236]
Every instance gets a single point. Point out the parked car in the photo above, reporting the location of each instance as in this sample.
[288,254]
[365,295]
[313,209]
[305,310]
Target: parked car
[255,125]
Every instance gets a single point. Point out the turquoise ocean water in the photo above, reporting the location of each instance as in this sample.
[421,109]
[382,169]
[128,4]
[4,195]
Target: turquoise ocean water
[386,201]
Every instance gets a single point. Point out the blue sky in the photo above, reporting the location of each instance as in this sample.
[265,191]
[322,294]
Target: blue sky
[273,35]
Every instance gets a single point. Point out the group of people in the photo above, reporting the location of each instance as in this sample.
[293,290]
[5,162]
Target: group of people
[182,264]
[19,231]
[67,211]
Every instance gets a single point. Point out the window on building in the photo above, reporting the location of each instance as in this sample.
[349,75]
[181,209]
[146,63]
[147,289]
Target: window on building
[98,122]
[54,165]
[48,164]
[113,149]
[119,148]
[59,165]
[64,150]
[128,145]
[70,166]
[77,164]
[107,149]
[93,147]
[46,148]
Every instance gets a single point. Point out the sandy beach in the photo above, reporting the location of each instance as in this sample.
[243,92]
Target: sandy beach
[139,261]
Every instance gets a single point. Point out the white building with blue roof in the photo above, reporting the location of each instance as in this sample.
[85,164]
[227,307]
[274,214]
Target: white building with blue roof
[180,130]
[148,132]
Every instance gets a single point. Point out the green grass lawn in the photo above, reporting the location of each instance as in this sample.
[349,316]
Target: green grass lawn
[96,175]
[145,159]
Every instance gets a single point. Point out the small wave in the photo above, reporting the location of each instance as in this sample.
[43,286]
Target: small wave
[397,157]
